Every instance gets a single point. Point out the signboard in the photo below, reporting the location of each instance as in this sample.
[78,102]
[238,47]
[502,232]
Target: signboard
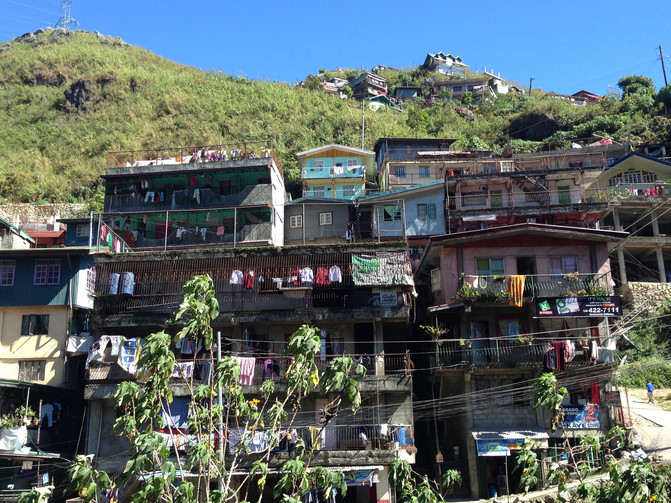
[611,399]
[583,307]
[361,478]
[581,417]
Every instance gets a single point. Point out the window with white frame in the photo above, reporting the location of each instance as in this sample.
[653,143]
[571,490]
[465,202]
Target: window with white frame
[392,213]
[82,230]
[318,164]
[424,172]
[31,370]
[35,324]
[399,171]
[426,211]
[91,279]
[326,218]
[318,191]
[352,163]
[559,266]
[47,272]
[296,221]
[7,270]
[348,190]
[489,266]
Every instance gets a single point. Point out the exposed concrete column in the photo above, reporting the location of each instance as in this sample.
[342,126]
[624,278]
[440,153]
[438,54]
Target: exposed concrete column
[655,223]
[616,220]
[382,488]
[620,262]
[660,265]
[378,346]
[471,450]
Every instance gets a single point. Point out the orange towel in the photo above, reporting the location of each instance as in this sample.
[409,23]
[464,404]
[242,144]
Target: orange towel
[516,289]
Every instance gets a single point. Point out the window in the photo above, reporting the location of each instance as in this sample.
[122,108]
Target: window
[82,230]
[318,191]
[7,268]
[296,221]
[457,89]
[490,266]
[31,370]
[424,172]
[399,171]
[425,211]
[352,163]
[47,272]
[326,218]
[318,163]
[348,190]
[91,279]
[35,324]
[562,265]
[392,213]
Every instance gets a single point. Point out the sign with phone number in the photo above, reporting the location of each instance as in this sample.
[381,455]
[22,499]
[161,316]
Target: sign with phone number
[583,307]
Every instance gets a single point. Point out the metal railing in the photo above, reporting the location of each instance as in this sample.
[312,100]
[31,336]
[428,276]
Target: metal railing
[266,368]
[357,171]
[496,287]
[510,351]
[228,227]
[160,200]
[412,179]
[188,155]
[488,166]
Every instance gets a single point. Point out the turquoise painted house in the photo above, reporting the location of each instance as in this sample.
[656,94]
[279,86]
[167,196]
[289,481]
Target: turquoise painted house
[336,171]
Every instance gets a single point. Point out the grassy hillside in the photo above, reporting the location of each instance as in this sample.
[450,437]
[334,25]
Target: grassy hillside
[54,152]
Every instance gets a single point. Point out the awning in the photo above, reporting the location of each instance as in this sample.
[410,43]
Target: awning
[500,443]
[480,218]
[444,307]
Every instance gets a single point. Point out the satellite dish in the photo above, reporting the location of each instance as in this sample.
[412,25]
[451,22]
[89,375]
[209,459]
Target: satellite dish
[373,105]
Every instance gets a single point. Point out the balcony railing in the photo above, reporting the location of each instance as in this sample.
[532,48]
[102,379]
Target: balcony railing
[497,288]
[534,199]
[510,351]
[412,179]
[266,368]
[159,200]
[357,171]
[191,155]
[227,227]
[340,192]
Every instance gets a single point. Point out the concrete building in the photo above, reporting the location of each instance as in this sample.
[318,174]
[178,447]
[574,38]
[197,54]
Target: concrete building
[501,306]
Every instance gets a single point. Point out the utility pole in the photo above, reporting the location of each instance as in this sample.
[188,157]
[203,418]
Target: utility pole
[661,57]
[530,81]
[363,122]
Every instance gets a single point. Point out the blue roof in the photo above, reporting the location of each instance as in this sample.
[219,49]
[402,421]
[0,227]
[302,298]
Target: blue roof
[403,189]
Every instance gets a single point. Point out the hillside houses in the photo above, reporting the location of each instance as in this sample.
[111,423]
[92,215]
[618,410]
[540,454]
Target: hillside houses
[451,276]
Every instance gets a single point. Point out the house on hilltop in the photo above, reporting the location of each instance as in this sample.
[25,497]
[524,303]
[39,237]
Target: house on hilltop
[444,63]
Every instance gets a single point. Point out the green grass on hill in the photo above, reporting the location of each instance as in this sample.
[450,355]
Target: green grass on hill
[53,153]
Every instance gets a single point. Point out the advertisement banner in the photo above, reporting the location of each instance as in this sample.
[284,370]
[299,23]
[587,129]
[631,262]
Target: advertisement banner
[581,417]
[583,307]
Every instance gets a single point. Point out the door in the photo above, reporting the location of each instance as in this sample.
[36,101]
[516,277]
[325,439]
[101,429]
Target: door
[564,192]
[496,198]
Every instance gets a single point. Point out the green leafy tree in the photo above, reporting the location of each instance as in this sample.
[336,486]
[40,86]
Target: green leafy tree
[313,83]
[347,91]
[161,473]
[414,488]
[632,84]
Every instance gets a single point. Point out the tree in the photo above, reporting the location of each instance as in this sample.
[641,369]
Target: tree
[313,83]
[414,488]
[632,84]
[160,472]
[347,91]
[664,96]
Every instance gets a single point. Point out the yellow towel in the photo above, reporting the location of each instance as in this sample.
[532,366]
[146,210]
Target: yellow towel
[516,289]
[315,437]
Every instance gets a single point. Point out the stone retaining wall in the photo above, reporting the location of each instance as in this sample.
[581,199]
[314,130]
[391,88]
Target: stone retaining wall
[647,296]
[19,214]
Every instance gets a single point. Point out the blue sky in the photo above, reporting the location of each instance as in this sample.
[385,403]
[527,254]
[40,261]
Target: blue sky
[565,46]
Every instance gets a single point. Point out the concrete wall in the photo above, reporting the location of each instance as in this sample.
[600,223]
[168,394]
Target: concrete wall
[15,347]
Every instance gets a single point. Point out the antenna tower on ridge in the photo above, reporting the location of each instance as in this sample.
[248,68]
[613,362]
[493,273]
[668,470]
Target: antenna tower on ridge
[66,19]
